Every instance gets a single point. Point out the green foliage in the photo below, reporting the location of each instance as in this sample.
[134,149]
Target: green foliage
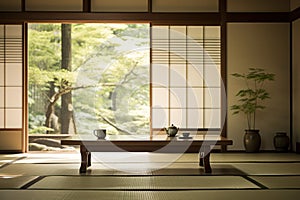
[250,99]
[36,124]
[101,64]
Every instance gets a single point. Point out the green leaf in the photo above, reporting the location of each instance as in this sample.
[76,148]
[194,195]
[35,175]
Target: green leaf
[238,75]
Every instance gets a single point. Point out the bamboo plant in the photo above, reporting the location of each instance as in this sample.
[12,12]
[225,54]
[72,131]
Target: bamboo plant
[251,97]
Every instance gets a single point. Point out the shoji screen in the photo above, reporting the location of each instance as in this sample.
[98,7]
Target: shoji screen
[11,92]
[11,88]
[186,84]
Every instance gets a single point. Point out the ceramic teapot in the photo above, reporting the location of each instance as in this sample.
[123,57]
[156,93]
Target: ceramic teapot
[172,130]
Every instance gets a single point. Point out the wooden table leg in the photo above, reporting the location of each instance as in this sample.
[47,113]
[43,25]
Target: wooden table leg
[207,167]
[89,163]
[201,156]
[84,159]
[205,159]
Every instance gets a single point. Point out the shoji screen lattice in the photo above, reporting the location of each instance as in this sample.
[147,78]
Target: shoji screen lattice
[186,83]
[11,82]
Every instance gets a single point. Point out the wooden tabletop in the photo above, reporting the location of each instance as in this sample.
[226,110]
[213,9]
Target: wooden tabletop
[146,140]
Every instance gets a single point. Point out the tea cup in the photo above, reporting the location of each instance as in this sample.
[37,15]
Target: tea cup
[100,133]
[186,134]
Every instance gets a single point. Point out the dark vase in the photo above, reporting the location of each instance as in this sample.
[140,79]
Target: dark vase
[252,141]
[281,142]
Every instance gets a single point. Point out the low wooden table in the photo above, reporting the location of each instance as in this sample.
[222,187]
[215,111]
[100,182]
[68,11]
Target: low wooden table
[139,143]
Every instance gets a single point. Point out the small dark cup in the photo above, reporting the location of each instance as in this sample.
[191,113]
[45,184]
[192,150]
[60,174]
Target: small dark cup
[185,134]
[100,133]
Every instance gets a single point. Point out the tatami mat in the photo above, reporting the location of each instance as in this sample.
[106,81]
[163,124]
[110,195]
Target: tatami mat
[7,159]
[254,157]
[60,195]
[16,182]
[278,182]
[118,169]
[45,158]
[212,195]
[129,157]
[51,169]
[195,169]
[150,195]
[143,182]
[131,176]
[11,156]
[269,168]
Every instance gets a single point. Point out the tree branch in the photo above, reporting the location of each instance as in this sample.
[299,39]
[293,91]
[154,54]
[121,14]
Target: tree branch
[113,125]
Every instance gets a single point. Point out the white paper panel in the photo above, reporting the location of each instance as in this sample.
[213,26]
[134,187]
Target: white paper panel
[195,118]
[160,75]
[178,117]
[14,31]
[160,118]
[177,97]
[119,5]
[178,32]
[258,5]
[212,118]
[177,52]
[178,75]
[54,5]
[185,6]
[195,97]
[212,32]
[212,97]
[162,46]
[160,98]
[1,74]
[13,118]
[212,76]
[1,31]
[195,32]
[13,97]
[2,97]
[195,52]
[2,118]
[211,60]
[14,74]
[195,75]
[195,57]
[160,32]
[10,5]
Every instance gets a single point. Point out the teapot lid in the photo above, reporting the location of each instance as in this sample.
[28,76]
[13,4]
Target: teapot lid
[172,126]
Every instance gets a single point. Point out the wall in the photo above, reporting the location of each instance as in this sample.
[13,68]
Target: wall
[53,5]
[264,45]
[258,5]
[11,5]
[113,5]
[296,81]
[295,4]
[11,141]
[185,6]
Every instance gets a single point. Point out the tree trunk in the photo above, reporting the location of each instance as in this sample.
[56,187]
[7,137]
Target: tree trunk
[51,119]
[66,117]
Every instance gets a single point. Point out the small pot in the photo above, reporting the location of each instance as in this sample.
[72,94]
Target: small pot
[171,130]
[252,141]
[281,142]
